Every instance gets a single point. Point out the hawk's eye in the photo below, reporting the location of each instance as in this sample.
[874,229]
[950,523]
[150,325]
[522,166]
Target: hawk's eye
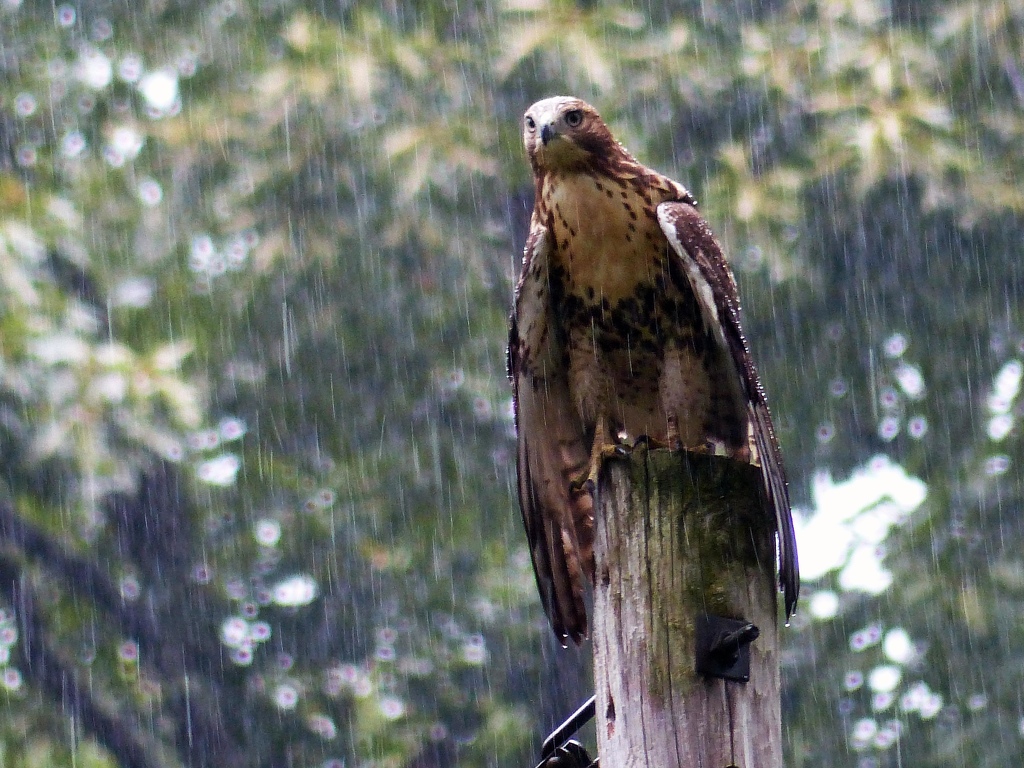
[573,118]
[530,123]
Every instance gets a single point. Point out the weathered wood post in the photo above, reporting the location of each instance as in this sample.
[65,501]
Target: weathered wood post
[681,535]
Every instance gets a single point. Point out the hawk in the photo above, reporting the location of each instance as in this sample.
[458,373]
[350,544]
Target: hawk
[626,326]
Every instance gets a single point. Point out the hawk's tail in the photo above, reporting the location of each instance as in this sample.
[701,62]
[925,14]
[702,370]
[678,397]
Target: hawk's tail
[778,496]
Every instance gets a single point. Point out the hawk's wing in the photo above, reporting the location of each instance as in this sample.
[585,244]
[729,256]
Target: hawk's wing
[708,274]
[551,449]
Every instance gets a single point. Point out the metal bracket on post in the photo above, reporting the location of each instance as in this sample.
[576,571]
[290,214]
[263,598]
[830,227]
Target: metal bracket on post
[560,752]
[572,754]
[723,647]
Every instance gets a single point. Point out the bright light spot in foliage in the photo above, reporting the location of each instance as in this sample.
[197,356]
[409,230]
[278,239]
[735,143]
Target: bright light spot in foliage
[128,651]
[392,707]
[112,387]
[889,428]
[864,572]
[160,90]
[295,591]
[896,345]
[362,687]
[94,69]
[204,440]
[917,427]
[897,646]
[887,736]
[864,638]
[1005,389]
[884,678]
[66,16]
[125,144]
[220,470]
[864,731]
[851,520]
[130,588]
[268,532]
[911,381]
[231,429]
[135,292]
[824,604]
[60,348]
[150,193]
[921,699]
[11,679]
[129,69]
[286,696]
[25,105]
[853,680]
[322,726]
[474,651]
[882,701]
[234,631]
[997,465]
[73,144]
[102,29]
[1006,386]
[999,426]
[977,702]
[26,156]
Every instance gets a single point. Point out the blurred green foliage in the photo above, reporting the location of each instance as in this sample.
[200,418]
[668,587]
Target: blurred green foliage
[255,263]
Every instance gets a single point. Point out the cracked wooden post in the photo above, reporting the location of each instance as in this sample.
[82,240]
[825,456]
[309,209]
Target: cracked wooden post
[678,535]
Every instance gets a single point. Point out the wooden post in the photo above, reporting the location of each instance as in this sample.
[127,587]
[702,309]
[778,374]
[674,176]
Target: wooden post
[680,535]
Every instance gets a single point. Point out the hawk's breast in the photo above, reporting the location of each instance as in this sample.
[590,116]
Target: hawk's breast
[610,270]
[632,332]
[606,234]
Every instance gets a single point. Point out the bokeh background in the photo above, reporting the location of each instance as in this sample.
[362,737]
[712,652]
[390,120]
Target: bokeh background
[256,449]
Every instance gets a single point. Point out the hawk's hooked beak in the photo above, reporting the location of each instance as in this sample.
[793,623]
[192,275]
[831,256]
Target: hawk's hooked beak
[547,133]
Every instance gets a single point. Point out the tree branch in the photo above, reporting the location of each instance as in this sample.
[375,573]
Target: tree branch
[202,737]
[43,667]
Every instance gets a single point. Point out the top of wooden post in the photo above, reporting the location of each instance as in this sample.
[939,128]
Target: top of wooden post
[681,535]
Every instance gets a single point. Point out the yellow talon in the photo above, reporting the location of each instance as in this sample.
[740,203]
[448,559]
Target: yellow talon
[602,449]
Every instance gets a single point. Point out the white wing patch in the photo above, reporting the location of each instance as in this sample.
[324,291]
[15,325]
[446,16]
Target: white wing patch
[701,287]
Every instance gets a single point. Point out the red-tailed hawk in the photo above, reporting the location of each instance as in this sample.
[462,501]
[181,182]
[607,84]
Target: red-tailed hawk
[626,325]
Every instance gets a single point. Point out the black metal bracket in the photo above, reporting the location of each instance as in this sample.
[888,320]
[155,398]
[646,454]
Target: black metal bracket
[723,647]
[723,650]
[572,754]
[558,751]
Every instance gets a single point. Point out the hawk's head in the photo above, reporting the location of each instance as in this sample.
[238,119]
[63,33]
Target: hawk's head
[566,134]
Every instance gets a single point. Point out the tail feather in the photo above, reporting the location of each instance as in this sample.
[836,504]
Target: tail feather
[778,496]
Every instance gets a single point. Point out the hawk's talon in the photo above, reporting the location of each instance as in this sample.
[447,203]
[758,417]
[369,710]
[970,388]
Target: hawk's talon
[583,484]
[587,480]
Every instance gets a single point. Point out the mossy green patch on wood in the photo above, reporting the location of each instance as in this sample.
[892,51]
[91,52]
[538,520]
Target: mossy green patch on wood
[698,529]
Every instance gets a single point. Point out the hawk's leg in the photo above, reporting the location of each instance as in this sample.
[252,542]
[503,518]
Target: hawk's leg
[605,446]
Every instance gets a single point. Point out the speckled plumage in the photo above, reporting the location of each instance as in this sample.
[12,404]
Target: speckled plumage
[625,325]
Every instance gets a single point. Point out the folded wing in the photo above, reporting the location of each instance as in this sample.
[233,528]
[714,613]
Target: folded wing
[551,451]
[701,260]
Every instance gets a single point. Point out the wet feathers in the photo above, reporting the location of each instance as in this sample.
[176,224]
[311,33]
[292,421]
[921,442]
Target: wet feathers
[626,324]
